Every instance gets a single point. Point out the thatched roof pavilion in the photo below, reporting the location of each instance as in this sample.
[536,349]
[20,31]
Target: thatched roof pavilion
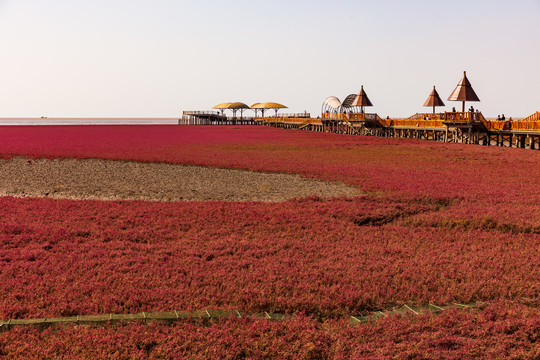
[362,99]
[434,99]
[463,92]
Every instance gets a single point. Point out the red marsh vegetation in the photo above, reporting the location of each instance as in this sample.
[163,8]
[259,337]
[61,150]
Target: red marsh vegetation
[436,223]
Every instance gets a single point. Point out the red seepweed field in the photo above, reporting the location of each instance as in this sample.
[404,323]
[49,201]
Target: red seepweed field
[435,224]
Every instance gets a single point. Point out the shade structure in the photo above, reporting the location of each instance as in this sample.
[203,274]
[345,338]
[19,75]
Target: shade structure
[434,99]
[361,99]
[268,105]
[234,106]
[463,92]
[255,107]
[332,102]
[231,105]
[349,100]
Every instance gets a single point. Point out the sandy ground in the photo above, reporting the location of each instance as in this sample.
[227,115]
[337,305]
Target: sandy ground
[115,180]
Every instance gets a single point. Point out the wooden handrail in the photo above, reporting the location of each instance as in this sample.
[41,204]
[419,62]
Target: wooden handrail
[518,125]
[424,116]
[533,117]
[411,123]
[490,125]
[350,116]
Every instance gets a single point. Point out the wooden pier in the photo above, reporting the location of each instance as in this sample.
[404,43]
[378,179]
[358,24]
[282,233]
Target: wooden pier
[218,118]
[213,118]
[456,127]
[348,117]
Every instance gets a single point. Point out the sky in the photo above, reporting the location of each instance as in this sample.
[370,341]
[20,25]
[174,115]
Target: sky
[156,58]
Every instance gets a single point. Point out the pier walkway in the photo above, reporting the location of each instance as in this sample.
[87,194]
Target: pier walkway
[458,127]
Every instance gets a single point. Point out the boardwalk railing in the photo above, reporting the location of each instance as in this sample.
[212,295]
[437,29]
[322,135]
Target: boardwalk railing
[497,125]
[411,123]
[459,127]
[491,125]
[430,120]
[335,116]
[460,117]
[524,125]
[295,115]
[350,116]
[288,120]
[425,116]
[186,113]
[533,117]
[519,125]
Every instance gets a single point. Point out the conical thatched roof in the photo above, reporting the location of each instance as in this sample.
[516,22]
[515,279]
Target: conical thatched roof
[361,99]
[464,91]
[434,99]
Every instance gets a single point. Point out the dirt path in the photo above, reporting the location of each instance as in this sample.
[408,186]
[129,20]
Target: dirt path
[114,180]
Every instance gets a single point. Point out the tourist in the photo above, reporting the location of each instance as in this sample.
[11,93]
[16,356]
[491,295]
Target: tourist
[498,117]
[502,117]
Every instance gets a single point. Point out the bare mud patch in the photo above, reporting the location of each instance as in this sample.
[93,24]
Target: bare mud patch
[122,180]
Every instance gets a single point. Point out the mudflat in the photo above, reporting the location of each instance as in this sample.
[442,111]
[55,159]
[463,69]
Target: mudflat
[122,180]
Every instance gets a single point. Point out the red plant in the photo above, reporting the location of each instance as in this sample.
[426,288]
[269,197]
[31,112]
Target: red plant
[321,257]
[500,181]
[438,223]
[501,331]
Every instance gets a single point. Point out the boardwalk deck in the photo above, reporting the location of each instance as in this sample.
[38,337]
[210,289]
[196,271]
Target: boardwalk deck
[458,127]
[213,118]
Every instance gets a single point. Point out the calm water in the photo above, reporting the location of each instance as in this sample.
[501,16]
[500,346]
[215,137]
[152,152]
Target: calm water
[86,121]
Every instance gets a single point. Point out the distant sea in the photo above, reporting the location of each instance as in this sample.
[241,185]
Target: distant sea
[87,121]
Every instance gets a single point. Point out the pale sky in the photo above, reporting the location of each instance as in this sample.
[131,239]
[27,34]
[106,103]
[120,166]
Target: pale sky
[155,58]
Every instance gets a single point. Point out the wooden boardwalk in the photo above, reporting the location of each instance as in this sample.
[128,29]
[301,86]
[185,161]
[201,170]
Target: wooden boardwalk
[212,118]
[457,127]
[209,316]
